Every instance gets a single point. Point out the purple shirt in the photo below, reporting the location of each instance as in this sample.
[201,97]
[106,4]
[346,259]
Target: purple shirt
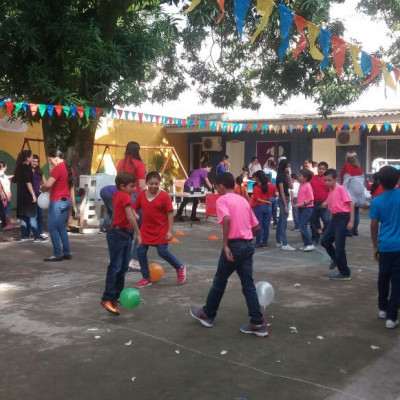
[195,178]
[37,180]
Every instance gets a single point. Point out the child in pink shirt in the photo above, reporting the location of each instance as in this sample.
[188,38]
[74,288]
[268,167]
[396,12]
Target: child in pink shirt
[341,207]
[239,226]
[305,206]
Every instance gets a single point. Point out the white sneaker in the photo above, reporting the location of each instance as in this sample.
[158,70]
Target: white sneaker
[310,247]
[43,236]
[278,245]
[382,314]
[133,265]
[391,324]
[288,247]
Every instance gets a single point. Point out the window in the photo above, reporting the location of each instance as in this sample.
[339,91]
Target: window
[386,147]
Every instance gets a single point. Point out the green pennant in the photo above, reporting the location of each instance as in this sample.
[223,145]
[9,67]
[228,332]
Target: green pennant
[126,114]
[67,110]
[42,109]
[146,116]
[105,111]
[87,113]
[18,106]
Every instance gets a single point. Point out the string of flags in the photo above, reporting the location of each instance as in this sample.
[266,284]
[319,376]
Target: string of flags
[15,108]
[368,68]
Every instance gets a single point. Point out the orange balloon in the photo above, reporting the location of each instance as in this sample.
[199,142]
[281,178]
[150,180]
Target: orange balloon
[156,272]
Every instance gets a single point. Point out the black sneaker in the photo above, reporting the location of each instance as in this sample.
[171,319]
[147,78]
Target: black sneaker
[194,219]
[258,330]
[67,256]
[200,315]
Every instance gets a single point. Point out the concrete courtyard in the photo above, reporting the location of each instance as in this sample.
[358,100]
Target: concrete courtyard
[326,340]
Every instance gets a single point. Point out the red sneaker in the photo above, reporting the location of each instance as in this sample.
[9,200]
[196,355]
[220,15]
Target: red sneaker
[110,306]
[143,283]
[181,275]
[8,227]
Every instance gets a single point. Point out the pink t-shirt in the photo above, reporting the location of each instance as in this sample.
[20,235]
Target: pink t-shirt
[240,213]
[305,193]
[339,200]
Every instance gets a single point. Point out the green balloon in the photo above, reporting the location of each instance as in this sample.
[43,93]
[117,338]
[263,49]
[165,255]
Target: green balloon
[130,298]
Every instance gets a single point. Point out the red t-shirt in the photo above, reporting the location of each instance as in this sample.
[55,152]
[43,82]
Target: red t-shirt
[377,192]
[154,227]
[258,194]
[351,170]
[121,200]
[319,188]
[133,166]
[60,187]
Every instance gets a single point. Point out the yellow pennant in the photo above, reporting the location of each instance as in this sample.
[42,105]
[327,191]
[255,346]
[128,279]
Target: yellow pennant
[370,126]
[319,127]
[394,126]
[378,127]
[192,6]
[386,75]
[264,8]
[313,32]
[354,50]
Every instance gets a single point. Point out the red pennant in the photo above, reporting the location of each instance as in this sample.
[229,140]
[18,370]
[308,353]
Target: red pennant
[396,72]
[323,128]
[248,128]
[376,70]
[339,127]
[99,111]
[301,23]
[221,4]
[58,110]
[357,127]
[339,52]
[140,116]
[157,119]
[10,106]
[119,112]
[80,111]
[195,122]
[184,122]
[34,108]
[208,124]
[170,120]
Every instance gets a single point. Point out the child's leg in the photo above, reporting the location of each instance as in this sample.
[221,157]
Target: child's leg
[304,217]
[126,256]
[116,247]
[258,213]
[24,226]
[224,271]
[163,252]
[394,299]
[340,244]
[143,262]
[384,281]
[328,238]
[295,213]
[39,219]
[134,254]
[266,221]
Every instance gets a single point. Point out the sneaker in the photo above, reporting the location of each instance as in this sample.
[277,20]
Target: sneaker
[53,258]
[102,231]
[26,239]
[392,324]
[340,277]
[110,306]
[295,230]
[382,314]
[310,247]
[43,236]
[288,247]
[181,275]
[194,219]
[8,227]
[278,245]
[200,315]
[264,244]
[40,240]
[258,330]
[143,283]
[333,265]
[134,266]
[67,257]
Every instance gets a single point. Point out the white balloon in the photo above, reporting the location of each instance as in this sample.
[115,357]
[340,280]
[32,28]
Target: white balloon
[44,200]
[265,293]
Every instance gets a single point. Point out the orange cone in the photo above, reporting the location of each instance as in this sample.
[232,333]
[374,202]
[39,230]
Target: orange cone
[174,240]
[180,233]
[212,237]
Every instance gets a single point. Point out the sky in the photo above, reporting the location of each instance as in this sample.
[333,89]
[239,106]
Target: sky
[371,34]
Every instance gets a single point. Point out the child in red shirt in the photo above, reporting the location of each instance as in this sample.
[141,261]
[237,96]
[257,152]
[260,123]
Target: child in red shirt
[156,228]
[241,188]
[119,240]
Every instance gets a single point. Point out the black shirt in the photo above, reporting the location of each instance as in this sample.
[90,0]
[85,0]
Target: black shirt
[281,177]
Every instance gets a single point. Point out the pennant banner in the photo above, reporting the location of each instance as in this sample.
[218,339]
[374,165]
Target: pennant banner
[287,18]
[264,8]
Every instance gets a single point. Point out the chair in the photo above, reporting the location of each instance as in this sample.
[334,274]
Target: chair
[211,204]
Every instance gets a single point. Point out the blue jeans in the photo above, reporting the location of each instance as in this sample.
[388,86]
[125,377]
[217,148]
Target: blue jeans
[282,223]
[8,209]
[29,224]
[2,214]
[295,213]
[356,222]
[274,208]
[39,219]
[322,213]
[263,215]
[304,217]
[108,216]
[134,254]
[119,247]
[389,283]
[57,218]
[163,252]
[242,252]
[336,232]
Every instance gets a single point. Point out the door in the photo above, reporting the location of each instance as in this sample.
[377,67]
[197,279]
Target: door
[324,150]
[235,151]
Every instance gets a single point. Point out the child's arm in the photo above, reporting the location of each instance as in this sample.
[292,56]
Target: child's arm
[255,230]
[350,225]
[226,223]
[32,192]
[170,225]
[374,237]
[132,220]
[283,197]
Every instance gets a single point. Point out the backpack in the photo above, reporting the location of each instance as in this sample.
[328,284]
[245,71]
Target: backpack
[355,187]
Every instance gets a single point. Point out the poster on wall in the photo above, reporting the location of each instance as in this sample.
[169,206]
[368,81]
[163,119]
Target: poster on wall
[272,151]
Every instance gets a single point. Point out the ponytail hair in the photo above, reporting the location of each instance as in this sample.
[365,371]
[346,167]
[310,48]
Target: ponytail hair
[57,153]
[260,175]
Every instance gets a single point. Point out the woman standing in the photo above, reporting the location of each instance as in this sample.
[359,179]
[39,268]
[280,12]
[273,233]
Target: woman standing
[132,163]
[38,179]
[59,184]
[26,198]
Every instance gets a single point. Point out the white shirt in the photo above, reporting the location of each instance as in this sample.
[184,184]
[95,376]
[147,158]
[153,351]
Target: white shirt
[254,168]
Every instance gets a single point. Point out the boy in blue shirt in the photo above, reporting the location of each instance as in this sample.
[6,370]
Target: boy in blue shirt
[385,218]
